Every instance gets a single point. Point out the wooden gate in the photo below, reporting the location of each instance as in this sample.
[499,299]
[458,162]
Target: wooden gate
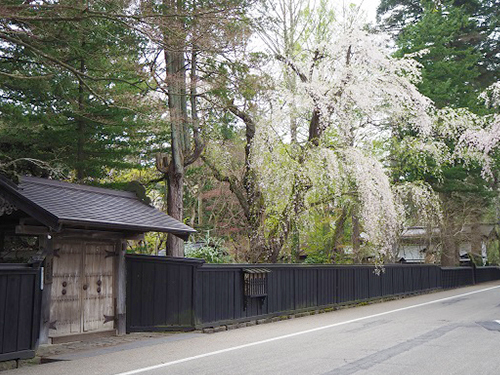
[82,290]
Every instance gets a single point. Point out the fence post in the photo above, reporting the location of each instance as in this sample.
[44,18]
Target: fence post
[46,246]
[37,300]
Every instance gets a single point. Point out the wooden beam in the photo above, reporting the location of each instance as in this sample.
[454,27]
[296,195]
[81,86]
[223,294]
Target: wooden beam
[31,229]
[97,234]
[29,221]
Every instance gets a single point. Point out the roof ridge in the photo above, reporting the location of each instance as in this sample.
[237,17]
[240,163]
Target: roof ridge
[77,187]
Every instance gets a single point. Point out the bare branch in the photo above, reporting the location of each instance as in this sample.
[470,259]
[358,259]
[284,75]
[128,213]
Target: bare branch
[294,67]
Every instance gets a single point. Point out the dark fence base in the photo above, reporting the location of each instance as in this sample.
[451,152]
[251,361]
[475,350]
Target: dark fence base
[182,294]
[20,299]
[18,355]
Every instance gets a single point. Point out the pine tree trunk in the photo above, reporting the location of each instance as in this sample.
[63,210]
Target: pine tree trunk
[176,81]
[175,176]
[80,131]
[80,157]
[175,245]
[450,256]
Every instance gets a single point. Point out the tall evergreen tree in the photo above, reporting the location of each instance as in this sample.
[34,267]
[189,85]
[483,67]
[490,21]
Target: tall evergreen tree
[449,29]
[70,85]
[457,44]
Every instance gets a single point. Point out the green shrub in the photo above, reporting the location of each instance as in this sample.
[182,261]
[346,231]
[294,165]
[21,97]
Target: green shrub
[211,249]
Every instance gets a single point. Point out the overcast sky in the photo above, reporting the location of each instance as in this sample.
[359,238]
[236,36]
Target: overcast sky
[370,6]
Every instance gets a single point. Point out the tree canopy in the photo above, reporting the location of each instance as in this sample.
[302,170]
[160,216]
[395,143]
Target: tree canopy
[290,127]
[71,87]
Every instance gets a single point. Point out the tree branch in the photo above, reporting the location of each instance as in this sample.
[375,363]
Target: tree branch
[294,67]
[18,76]
[234,185]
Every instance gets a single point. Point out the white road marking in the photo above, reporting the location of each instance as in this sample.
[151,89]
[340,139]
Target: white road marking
[497,321]
[188,359]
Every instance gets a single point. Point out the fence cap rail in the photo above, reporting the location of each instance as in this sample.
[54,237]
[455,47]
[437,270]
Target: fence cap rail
[161,258]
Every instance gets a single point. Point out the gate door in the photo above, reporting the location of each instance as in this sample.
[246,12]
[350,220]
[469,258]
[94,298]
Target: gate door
[97,288]
[82,288]
[65,306]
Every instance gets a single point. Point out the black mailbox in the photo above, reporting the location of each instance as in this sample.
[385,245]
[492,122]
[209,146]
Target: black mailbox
[255,283]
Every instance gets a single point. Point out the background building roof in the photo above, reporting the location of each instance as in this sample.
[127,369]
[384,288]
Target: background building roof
[485,229]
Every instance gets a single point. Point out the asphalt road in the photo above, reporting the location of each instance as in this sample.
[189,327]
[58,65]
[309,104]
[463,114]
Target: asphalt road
[452,332]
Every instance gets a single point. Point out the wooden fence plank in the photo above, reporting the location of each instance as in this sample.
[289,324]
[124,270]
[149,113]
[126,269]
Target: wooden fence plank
[25,312]
[12,322]
[161,298]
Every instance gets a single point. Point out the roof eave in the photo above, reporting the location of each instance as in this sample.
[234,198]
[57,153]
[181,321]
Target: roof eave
[128,227]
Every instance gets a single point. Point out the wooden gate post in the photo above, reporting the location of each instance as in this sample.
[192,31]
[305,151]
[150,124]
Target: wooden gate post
[121,286]
[45,244]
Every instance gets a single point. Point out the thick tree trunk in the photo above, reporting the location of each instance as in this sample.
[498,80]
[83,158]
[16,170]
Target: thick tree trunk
[275,246]
[450,228]
[175,245]
[175,175]
[450,254]
[177,105]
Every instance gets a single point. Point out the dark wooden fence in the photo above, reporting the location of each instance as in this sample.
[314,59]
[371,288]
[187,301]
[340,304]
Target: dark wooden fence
[20,302]
[160,293]
[295,288]
[453,277]
[175,294]
[484,274]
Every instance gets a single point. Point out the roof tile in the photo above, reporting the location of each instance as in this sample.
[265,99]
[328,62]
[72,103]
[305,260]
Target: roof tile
[74,204]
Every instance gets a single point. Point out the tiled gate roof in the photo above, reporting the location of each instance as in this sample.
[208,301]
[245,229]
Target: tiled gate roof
[71,205]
